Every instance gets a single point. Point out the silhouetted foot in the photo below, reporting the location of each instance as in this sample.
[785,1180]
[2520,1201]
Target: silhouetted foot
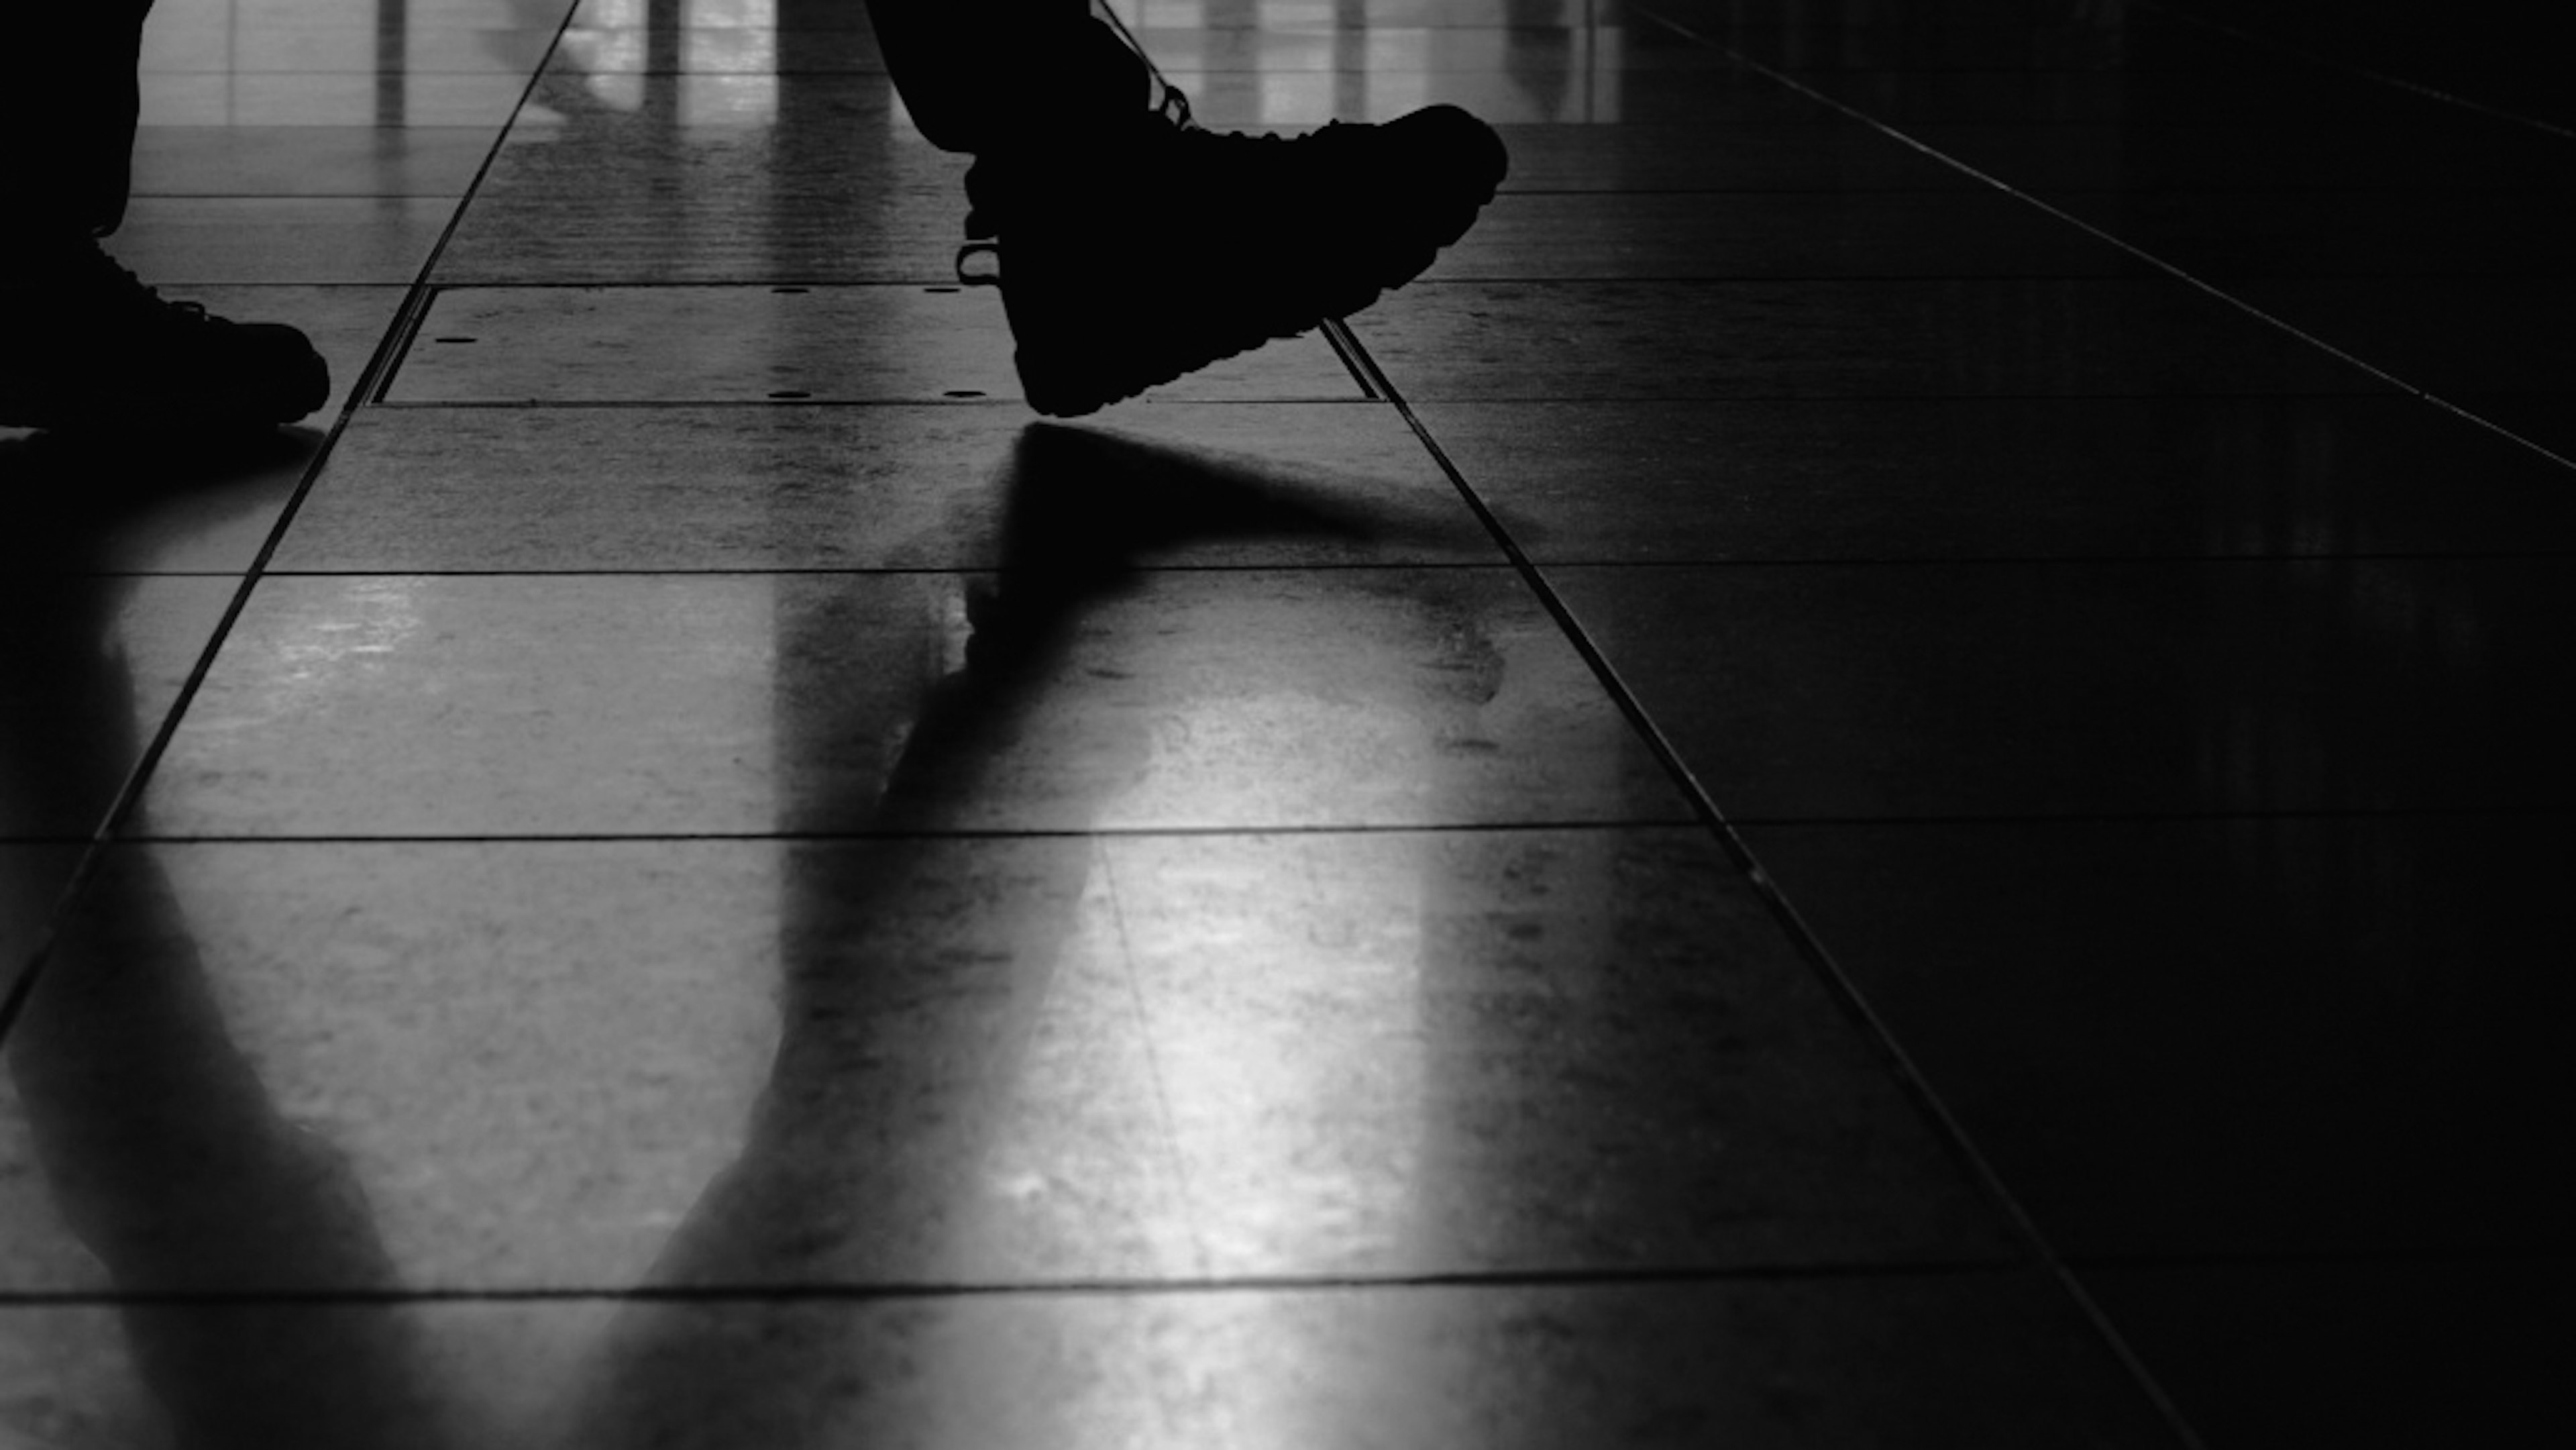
[1132,257]
[84,345]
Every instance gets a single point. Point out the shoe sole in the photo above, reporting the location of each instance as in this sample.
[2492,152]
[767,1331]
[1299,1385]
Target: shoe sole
[139,410]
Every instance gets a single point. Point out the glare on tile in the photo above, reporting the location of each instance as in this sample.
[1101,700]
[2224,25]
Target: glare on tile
[899,122]
[613,47]
[360,631]
[743,49]
[1293,1057]
[1291,99]
[759,16]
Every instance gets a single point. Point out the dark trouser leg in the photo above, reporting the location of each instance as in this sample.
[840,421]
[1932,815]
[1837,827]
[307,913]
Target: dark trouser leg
[986,75]
[67,110]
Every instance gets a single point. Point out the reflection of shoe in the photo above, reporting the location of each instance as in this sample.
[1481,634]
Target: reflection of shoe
[87,346]
[1157,248]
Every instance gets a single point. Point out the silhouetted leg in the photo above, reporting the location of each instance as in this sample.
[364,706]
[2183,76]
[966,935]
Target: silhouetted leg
[977,74]
[67,110]
[1136,247]
[916,964]
[166,1156]
[83,345]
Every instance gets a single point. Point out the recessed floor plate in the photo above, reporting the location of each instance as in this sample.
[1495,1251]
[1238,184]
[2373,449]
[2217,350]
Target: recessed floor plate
[858,344]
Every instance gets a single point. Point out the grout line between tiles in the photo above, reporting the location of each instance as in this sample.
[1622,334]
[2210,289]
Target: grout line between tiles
[2170,269]
[1641,826]
[2348,68]
[2315,815]
[1328,566]
[573,405]
[2398,1256]
[1943,561]
[1167,1149]
[587,405]
[1951,1132]
[372,378]
[1674,822]
[901,1291]
[944,571]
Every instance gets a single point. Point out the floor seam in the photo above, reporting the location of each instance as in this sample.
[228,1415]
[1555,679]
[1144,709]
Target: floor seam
[2418,89]
[1964,1265]
[2169,269]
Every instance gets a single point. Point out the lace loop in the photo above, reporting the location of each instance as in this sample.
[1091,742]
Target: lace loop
[992,250]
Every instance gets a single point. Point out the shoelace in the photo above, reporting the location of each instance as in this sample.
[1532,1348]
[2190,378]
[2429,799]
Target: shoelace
[990,249]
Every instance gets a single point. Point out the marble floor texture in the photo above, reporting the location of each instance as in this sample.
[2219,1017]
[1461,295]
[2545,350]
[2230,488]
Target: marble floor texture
[1890,768]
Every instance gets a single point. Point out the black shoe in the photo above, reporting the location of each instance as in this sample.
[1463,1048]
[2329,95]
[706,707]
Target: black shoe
[1155,248]
[84,345]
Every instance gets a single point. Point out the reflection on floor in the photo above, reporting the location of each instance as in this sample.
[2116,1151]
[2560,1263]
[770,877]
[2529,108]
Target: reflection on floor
[1884,771]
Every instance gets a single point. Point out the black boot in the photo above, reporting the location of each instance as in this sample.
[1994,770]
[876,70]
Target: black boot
[86,346]
[1146,248]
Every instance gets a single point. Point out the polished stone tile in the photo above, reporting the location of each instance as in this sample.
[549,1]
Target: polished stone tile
[806,42]
[2543,419]
[313,240]
[2313,1036]
[1987,1359]
[1824,155]
[384,705]
[2249,96]
[2489,346]
[2410,1352]
[1540,52]
[32,878]
[307,161]
[639,161]
[2520,88]
[2311,234]
[1958,231]
[934,486]
[1385,1054]
[843,238]
[925,1061]
[753,344]
[588,1066]
[1295,17]
[1706,101]
[2450,335]
[343,39]
[617,196]
[2012,689]
[1834,338]
[728,206]
[2502,63]
[176,506]
[632,90]
[2196,155]
[1871,38]
[331,100]
[425,17]
[88,668]
[298,1378]
[1891,478]
[818,18]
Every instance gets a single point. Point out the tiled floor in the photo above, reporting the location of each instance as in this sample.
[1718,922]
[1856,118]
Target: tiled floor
[1890,769]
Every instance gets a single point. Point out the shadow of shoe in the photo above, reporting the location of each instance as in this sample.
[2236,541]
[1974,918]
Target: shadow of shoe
[162,1153]
[146,503]
[1084,507]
